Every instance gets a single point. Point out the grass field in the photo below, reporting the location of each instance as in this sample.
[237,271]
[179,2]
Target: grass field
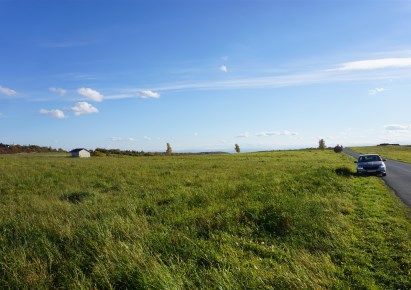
[401,153]
[280,220]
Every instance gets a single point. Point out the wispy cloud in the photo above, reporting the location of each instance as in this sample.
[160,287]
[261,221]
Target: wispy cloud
[276,133]
[127,139]
[7,91]
[56,113]
[90,94]
[128,94]
[397,127]
[244,135]
[267,134]
[289,133]
[365,70]
[147,138]
[375,91]
[147,94]
[83,108]
[120,96]
[59,91]
[372,64]
[314,77]
[224,68]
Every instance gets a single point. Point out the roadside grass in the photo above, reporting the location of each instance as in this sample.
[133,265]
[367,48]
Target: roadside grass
[279,220]
[401,153]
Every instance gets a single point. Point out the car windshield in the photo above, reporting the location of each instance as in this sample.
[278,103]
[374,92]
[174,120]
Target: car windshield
[369,158]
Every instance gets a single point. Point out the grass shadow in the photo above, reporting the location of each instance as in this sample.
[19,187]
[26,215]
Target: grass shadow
[344,171]
[76,197]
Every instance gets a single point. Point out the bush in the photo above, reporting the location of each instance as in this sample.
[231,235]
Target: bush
[338,149]
[98,154]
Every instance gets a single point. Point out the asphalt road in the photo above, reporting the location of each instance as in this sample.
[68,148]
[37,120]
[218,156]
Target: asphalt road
[398,177]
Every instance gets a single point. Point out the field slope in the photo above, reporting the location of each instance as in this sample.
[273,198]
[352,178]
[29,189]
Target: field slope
[297,219]
[401,153]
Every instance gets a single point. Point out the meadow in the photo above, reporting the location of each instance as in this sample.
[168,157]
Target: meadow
[273,220]
[401,153]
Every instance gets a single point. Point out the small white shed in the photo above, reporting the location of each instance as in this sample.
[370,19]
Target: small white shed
[80,153]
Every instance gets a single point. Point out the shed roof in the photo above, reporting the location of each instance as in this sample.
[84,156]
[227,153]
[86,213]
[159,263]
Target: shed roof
[77,150]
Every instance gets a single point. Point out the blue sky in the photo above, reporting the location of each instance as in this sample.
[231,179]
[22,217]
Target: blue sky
[204,75]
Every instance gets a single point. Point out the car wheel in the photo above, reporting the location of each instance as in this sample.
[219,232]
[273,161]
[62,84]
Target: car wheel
[384,174]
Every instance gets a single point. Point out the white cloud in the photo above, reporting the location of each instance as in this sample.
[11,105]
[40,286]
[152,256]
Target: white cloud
[7,91]
[115,139]
[244,135]
[375,64]
[146,94]
[224,68]
[397,127]
[91,94]
[375,91]
[59,91]
[147,138]
[195,134]
[56,113]
[83,108]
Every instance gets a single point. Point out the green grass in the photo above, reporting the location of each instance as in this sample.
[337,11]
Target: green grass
[280,220]
[401,153]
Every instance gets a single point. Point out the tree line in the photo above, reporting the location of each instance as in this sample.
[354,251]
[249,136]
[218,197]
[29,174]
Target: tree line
[13,149]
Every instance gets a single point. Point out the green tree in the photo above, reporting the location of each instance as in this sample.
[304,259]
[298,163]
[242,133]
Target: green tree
[169,149]
[321,144]
[237,148]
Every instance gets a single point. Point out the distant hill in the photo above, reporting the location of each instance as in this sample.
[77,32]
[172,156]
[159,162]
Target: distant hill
[104,152]
[388,144]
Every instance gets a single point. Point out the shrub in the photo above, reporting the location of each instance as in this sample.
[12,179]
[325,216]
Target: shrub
[338,149]
[98,154]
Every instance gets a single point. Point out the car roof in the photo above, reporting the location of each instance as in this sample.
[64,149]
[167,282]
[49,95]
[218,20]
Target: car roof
[370,155]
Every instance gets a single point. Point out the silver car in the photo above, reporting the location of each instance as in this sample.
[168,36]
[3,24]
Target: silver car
[371,164]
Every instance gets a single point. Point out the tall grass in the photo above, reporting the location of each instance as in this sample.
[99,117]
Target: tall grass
[266,220]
